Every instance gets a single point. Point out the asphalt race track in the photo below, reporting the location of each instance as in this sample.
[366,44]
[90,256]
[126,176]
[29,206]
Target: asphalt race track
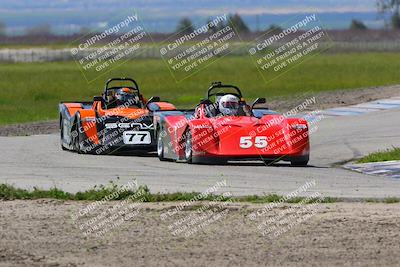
[39,161]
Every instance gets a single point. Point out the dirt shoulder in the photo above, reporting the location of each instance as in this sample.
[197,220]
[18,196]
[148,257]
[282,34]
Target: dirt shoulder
[324,100]
[42,233]
[33,128]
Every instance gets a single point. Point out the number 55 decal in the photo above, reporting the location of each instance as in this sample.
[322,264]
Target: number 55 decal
[259,142]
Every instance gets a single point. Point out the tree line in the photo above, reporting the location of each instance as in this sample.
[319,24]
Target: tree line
[386,8]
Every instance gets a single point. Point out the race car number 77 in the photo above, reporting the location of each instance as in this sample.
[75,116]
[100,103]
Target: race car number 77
[136,137]
[247,142]
[142,136]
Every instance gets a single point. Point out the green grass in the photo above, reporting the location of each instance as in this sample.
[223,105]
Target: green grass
[389,154]
[31,91]
[389,200]
[97,193]
[276,198]
[9,192]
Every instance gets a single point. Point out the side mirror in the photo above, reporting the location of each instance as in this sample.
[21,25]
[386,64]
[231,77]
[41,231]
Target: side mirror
[154,99]
[98,98]
[260,100]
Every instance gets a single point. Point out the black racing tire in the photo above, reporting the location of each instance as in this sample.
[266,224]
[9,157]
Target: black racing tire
[62,134]
[301,161]
[198,160]
[160,146]
[188,147]
[77,138]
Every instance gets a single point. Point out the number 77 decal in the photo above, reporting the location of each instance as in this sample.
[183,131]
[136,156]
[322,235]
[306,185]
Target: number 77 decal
[139,134]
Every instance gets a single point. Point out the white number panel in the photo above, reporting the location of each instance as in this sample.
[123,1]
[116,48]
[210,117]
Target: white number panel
[247,142]
[137,138]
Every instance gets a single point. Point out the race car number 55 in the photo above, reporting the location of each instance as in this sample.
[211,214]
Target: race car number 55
[137,138]
[247,142]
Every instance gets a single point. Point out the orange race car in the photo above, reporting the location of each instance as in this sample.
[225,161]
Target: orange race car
[121,119]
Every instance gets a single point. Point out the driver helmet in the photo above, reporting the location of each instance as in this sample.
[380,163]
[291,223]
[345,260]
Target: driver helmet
[125,96]
[229,105]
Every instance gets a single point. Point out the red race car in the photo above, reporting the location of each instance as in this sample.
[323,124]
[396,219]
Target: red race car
[223,127]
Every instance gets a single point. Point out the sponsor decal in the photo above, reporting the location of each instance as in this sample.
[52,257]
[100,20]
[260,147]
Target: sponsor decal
[127,125]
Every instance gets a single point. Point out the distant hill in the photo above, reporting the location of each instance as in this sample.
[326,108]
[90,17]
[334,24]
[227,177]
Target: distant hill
[69,16]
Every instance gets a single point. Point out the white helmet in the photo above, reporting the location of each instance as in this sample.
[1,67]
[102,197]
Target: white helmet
[229,105]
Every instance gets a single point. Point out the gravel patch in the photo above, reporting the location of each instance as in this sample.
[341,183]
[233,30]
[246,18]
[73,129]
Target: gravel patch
[41,233]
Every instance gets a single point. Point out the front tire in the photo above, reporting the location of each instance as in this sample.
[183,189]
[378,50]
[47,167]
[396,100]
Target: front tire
[62,134]
[188,147]
[160,146]
[199,160]
[300,161]
[77,138]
